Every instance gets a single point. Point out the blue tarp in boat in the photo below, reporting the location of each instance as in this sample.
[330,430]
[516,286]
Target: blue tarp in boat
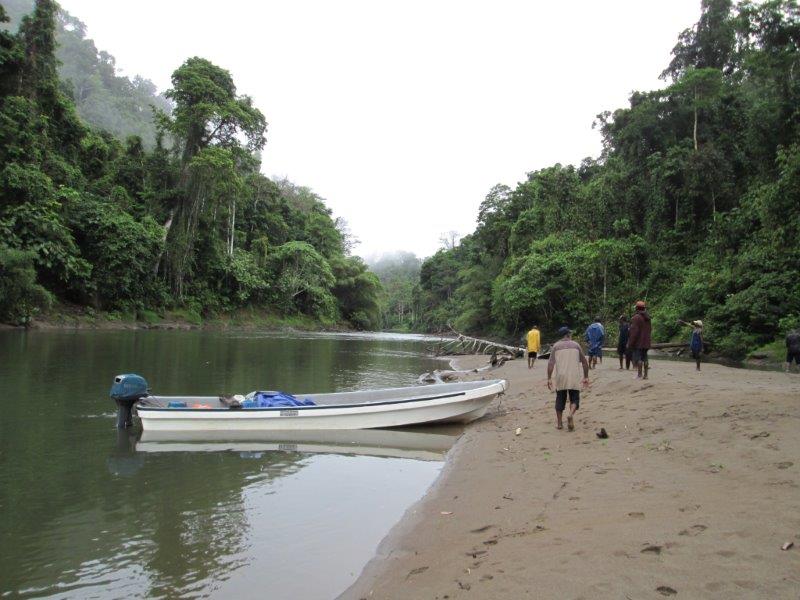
[275,400]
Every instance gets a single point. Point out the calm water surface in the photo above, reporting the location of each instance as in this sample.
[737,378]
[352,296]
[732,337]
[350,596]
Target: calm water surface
[89,512]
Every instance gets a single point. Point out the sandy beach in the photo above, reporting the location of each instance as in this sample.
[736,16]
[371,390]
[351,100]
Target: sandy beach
[693,494]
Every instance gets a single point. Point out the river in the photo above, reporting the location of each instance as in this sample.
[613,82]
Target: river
[87,511]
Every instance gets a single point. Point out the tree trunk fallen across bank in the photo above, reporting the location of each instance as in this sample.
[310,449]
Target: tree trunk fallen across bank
[464,344]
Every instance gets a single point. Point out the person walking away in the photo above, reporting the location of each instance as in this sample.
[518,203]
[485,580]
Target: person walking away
[567,359]
[696,340]
[595,336]
[534,345]
[792,349]
[622,343]
[639,339]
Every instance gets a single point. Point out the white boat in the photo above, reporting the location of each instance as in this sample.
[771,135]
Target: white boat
[394,407]
[424,443]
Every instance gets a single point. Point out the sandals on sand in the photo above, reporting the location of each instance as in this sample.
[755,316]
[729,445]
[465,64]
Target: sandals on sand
[570,423]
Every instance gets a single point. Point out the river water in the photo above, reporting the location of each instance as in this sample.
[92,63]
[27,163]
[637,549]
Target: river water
[89,512]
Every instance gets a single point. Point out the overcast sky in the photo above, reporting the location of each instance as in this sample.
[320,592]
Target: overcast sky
[403,115]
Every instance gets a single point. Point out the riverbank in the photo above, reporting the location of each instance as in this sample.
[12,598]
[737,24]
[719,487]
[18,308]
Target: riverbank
[693,494]
[73,317]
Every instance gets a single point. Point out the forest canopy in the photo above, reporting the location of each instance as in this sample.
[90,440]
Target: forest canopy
[92,218]
[693,205]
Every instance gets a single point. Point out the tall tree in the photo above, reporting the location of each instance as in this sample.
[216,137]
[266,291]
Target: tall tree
[207,113]
[39,73]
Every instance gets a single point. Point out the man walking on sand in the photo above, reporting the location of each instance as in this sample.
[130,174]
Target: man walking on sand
[792,349]
[696,340]
[534,345]
[595,336]
[622,343]
[639,339]
[567,358]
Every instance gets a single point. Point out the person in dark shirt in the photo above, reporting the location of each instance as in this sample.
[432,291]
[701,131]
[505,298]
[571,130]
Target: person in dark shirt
[595,336]
[792,349]
[639,339]
[696,340]
[622,343]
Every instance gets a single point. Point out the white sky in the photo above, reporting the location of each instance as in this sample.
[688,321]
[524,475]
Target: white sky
[403,115]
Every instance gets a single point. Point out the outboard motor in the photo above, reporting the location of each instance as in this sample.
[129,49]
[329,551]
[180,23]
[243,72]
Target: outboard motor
[127,390]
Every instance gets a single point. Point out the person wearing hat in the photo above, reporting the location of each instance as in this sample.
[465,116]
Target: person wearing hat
[566,359]
[639,338]
[696,341]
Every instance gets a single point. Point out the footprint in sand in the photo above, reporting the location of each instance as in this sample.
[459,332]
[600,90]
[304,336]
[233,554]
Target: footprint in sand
[665,590]
[482,529]
[651,550]
[715,586]
[784,465]
[416,571]
[694,530]
[636,515]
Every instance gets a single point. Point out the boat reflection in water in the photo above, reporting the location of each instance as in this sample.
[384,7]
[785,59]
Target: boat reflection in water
[221,526]
[91,514]
[423,443]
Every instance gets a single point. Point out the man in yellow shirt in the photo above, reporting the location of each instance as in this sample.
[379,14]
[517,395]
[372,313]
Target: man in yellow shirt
[534,345]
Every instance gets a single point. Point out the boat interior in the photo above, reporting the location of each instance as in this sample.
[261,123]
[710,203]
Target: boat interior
[333,399]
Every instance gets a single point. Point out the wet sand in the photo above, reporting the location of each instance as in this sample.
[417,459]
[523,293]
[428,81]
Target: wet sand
[693,494]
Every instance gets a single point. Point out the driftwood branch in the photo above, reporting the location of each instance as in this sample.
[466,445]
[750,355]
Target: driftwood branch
[464,344]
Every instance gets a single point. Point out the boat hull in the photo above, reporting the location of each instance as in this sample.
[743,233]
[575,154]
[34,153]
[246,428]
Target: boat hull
[459,406]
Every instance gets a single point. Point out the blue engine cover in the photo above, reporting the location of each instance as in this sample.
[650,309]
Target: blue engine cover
[129,387]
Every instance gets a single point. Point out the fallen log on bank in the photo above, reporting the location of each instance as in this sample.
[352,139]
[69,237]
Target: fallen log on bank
[668,346]
[445,376]
[464,344]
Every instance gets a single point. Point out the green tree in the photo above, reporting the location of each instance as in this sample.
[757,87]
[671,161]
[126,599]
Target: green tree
[304,280]
[208,113]
[20,295]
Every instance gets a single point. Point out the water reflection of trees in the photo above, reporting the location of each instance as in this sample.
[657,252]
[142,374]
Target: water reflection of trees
[74,508]
[166,529]
[196,518]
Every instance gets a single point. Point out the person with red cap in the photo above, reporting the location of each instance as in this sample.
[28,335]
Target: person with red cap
[639,338]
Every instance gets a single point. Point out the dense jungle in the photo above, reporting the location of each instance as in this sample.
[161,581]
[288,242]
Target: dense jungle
[693,205]
[123,201]
[118,199]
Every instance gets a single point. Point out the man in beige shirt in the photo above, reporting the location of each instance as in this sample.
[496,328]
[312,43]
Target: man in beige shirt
[567,358]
